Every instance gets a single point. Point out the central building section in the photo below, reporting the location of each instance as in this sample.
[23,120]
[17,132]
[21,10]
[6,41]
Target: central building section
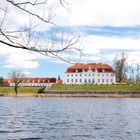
[91,73]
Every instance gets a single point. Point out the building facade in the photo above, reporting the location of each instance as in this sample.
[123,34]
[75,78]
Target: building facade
[32,82]
[91,73]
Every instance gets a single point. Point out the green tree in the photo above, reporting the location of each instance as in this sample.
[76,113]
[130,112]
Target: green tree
[1,81]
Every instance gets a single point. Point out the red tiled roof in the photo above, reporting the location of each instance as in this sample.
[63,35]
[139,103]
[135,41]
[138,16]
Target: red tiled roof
[80,66]
[33,80]
[59,82]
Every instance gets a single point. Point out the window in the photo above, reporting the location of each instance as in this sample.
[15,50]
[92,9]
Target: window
[85,75]
[92,80]
[76,75]
[107,80]
[89,80]
[85,80]
[89,75]
[80,75]
[102,80]
[92,74]
[80,80]
[67,80]
[72,80]
[68,75]
[102,74]
[111,80]
[98,74]
[72,75]
[98,80]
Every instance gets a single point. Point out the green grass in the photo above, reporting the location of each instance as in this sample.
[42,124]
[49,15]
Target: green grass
[22,90]
[35,90]
[97,87]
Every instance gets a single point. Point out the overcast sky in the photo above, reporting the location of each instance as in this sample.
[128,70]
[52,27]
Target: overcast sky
[107,28]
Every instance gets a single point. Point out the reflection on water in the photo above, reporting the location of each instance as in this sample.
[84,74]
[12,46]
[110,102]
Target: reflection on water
[69,118]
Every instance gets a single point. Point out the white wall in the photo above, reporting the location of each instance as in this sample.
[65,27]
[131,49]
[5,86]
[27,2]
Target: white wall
[32,84]
[90,77]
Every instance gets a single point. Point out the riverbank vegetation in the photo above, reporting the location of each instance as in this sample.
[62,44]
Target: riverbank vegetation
[36,90]
[97,87]
[21,90]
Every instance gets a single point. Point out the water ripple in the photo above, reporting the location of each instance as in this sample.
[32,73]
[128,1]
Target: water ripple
[69,119]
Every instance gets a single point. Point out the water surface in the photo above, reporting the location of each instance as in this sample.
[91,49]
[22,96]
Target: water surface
[27,118]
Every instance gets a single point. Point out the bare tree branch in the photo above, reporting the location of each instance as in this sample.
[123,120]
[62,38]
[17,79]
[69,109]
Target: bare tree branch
[35,3]
[26,38]
[31,13]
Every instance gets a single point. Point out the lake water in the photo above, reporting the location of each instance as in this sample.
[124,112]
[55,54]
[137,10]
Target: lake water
[27,118]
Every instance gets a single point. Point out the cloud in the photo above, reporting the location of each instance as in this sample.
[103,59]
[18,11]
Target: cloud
[27,73]
[12,62]
[79,13]
[101,43]
[19,58]
[108,12]
[101,48]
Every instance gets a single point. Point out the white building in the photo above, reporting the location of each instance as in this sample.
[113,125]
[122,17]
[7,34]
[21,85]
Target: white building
[32,82]
[91,73]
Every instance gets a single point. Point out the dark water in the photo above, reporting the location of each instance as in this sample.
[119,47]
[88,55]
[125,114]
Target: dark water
[69,118]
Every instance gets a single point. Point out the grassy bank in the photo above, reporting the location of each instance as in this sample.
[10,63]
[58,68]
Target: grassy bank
[33,91]
[97,87]
[21,90]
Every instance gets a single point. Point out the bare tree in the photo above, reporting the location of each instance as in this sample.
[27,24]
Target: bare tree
[120,67]
[17,78]
[138,73]
[134,73]
[27,38]
[131,70]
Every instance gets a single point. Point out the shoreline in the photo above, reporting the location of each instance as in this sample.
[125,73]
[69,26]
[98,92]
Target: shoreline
[96,94]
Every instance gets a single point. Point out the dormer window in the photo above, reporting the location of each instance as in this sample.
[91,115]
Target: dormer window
[89,68]
[76,70]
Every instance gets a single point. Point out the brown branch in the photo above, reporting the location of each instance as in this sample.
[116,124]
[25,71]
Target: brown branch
[63,2]
[6,36]
[13,45]
[33,14]
[31,3]
[27,36]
